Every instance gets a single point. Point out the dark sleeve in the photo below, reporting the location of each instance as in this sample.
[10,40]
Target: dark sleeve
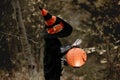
[52,62]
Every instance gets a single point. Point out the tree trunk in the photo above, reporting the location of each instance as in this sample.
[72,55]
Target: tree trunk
[29,58]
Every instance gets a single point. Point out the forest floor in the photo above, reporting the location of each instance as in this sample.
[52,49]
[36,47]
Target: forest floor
[89,71]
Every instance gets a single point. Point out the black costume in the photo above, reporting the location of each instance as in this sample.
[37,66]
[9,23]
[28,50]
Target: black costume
[52,59]
[54,27]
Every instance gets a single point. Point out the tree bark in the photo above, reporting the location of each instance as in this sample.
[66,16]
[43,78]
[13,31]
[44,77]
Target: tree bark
[29,63]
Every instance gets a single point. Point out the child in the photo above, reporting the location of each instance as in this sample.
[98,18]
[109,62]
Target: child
[55,27]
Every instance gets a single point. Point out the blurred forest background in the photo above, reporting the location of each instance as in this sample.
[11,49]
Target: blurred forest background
[96,22]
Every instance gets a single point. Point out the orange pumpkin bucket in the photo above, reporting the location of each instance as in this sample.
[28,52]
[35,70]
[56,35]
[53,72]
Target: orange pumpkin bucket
[76,57]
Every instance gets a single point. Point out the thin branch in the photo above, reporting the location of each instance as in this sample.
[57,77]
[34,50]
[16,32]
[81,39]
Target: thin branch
[33,41]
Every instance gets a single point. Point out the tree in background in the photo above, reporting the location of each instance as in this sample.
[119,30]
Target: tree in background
[96,22]
[19,52]
[104,21]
